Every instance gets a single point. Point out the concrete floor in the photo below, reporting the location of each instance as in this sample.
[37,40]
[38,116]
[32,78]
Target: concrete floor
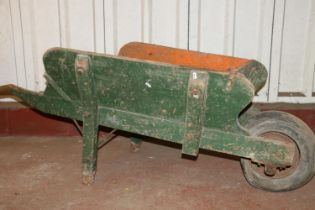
[44,173]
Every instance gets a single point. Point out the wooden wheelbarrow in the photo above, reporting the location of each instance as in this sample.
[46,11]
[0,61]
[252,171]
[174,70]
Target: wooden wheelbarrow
[191,98]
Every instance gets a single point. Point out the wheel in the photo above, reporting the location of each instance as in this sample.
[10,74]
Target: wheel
[284,127]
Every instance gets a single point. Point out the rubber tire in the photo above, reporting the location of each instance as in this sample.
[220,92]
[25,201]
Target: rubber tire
[299,132]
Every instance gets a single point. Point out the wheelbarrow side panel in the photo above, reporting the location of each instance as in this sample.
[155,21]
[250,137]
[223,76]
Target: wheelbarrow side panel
[154,99]
[251,69]
[60,66]
[154,90]
[193,107]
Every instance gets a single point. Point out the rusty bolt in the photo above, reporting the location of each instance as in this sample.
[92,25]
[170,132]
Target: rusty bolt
[189,136]
[194,91]
[82,63]
[86,114]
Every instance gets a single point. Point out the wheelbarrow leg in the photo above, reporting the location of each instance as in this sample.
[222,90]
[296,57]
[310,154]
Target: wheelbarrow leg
[90,145]
[89,104]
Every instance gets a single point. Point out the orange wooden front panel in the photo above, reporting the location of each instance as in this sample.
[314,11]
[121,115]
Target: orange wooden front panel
[180,57]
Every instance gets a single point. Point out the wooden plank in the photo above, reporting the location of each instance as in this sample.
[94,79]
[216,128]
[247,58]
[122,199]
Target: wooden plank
[128,22]
[27,21]
[38,36]
[211,26]
[110,26]
[18,43]
[7,54]
[253,31]
[275,65]
[78,26]
[294,44]
[169,23]
[99,26]
[195,111]
[309,64]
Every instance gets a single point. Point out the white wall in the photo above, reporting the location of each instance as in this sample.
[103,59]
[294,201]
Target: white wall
[279,33]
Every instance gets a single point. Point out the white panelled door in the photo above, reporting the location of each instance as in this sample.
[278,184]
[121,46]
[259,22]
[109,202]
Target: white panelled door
[278,33]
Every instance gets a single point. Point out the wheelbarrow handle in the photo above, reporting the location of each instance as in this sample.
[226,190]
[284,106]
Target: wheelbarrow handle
[7,90]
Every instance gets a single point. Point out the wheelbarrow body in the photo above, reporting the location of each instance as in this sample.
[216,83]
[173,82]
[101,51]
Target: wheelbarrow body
[194,100]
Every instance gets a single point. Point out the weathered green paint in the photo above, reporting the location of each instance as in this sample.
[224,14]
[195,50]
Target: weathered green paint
[195,111]
[260,150]
[52,105]
[156,100]
[89,103]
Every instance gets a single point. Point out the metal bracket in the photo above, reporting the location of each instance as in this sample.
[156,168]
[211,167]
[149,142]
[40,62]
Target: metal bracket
[195,111]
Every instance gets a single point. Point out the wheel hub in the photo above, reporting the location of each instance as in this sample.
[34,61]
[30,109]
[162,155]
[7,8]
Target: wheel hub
[271,171]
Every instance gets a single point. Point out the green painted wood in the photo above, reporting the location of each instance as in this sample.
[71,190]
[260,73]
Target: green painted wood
[224,104]
[89,103]
[260,150]
[170,130]
[256,73]
[195,111]
[52,105]
[152,89]
[150,99]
